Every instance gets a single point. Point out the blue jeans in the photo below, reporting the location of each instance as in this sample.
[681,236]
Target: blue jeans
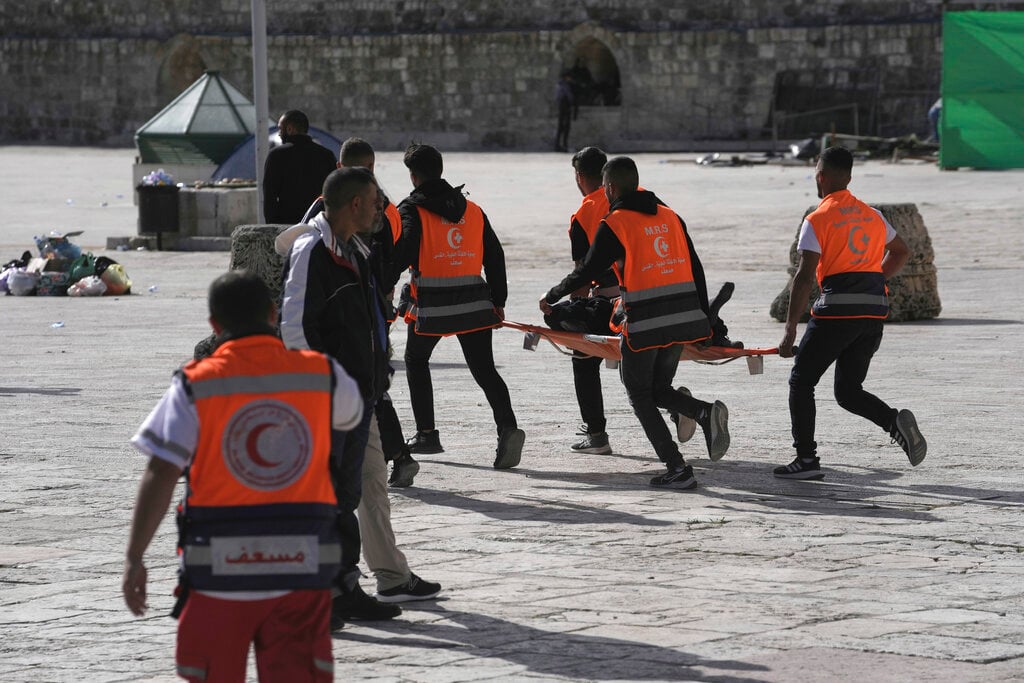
[849,343]
[647,376]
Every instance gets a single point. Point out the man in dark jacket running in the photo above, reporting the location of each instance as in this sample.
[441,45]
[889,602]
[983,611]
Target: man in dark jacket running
[447,241]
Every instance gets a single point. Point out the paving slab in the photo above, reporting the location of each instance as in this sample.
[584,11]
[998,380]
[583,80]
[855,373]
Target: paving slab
[569,567]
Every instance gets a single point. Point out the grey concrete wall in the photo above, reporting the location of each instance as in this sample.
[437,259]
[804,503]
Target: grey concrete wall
[473,75]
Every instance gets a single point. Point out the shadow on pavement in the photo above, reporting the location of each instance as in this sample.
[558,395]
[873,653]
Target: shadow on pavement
[573,655]
[536,509]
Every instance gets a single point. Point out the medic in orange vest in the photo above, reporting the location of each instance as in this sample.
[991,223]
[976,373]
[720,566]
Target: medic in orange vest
[251,426]
[851,250]
[665,300]
[449,244]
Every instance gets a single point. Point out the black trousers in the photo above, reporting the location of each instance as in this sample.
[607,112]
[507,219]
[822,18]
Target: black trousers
[564,121]
[586,377]
[476,348]
[648,376]
[850,344]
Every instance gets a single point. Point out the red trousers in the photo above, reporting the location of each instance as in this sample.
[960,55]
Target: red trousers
[291,635]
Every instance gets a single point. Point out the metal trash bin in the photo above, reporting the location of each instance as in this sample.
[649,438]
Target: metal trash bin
[158,210]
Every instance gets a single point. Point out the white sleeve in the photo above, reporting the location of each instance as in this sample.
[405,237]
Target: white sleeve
[171,431]
[890,232]
[808,241]
[293,305]
[348,402]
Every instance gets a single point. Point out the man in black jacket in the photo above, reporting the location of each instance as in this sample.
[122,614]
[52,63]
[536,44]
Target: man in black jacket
[439,216]
[295,171]
[332,304]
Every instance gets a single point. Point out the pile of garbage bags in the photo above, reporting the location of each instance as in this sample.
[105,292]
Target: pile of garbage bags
[62,269]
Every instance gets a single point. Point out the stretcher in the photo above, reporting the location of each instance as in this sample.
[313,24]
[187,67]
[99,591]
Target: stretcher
[607,347]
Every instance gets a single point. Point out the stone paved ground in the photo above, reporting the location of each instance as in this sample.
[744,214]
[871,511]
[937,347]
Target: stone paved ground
[569,567]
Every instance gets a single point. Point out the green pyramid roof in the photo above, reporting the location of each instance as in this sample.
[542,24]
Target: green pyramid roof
[201,126]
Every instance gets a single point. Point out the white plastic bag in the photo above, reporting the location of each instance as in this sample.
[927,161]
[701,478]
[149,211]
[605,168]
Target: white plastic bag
[90,285]
[22,283]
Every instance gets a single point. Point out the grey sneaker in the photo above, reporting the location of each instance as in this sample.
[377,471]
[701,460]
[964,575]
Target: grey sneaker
[904,431]
[685,426]
[802,469]
[675,478]
[413,589]
[510,448]
[593,443]
[715,423]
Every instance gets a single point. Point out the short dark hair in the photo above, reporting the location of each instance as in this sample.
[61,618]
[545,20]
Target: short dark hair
[239,301]
[837,158]
[423,160]
[622,173]
[345,183]
[297,119]
[589,161]
[355,150]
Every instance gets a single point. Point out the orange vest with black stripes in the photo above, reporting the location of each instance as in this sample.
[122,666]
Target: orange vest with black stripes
[260,509]
[852,239]
[450,294]
[656,277]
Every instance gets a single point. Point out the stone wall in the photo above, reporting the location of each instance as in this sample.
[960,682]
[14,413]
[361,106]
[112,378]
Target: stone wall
[477,75]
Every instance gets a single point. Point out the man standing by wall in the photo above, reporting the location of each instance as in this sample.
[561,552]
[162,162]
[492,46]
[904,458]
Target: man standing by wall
[294,171]
[447,240]
[852,250]
[252,425]
[665,301]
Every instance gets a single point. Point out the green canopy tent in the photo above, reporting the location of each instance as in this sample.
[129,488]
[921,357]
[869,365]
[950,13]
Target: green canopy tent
[203,124]
[982,124]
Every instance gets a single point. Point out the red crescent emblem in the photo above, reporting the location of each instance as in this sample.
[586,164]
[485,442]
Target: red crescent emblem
[252,445]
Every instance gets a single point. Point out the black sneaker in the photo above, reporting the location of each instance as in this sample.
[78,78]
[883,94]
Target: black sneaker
[904,431]
[425,443]
[715,423]
[685,426]
[413,589]
[675,478]
[356,604]
[800,468]
[596,443]
[510,448]
[403,471]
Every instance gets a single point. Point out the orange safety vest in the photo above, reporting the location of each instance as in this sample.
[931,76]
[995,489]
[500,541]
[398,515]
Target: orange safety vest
[590,213]
[852,238]
[656,277]
[395,220]
[450,295]
[259,512]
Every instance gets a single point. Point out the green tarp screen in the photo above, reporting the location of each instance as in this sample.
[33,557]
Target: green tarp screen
[982,124]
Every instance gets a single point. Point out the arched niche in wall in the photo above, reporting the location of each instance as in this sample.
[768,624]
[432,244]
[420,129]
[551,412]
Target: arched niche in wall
[594,71]
[182,65]
[592,56]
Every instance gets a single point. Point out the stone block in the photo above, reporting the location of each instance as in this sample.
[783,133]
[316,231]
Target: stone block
[252,249]
[913,292]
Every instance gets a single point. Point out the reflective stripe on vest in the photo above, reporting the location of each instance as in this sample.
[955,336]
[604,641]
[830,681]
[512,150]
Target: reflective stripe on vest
[659,294]
[260,385]
[451,296]
[260,497]
[852,239]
